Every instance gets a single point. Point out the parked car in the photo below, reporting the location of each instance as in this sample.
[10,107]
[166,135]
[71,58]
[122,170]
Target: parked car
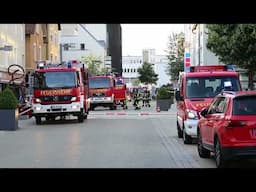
[228,127]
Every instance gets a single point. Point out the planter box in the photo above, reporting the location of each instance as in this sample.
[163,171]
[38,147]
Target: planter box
[164,104]
[9,119]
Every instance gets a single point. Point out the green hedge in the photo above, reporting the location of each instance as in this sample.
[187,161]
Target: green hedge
[8,99]
[164,92]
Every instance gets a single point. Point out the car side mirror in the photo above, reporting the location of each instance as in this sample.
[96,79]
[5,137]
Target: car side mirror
[204,111]
[178,97]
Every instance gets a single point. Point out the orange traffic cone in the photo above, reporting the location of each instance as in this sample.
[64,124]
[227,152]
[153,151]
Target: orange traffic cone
[158,109]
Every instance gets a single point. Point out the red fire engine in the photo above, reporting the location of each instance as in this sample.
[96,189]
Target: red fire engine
[197,88]
[101,89]
[120,92]
[60,90]
[107,91]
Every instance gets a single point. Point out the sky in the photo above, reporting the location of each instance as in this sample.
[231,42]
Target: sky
[136,37]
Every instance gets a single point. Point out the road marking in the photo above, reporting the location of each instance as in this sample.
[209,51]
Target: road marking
[139,114]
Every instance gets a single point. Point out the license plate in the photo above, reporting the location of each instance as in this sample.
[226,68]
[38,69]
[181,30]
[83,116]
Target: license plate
[55,107]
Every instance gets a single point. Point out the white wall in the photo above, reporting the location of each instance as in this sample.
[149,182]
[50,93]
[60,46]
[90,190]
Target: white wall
[160,66]
[13,35]
[82,36]
[98,30]
[192,42]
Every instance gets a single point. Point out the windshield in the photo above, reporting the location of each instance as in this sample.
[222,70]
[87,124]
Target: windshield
[99,83]
[208,87]
[56,79]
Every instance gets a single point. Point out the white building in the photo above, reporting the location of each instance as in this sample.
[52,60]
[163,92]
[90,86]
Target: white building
[78,40]
[195,44]
[131,64]
[160,67]
[12,49]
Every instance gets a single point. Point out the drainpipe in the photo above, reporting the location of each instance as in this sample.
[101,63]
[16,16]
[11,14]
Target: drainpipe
[60,52]
[199,49]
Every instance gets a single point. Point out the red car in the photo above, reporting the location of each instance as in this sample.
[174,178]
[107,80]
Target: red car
[228,127]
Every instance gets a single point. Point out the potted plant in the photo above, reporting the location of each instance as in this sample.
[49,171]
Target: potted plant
[164,98]
[8,110]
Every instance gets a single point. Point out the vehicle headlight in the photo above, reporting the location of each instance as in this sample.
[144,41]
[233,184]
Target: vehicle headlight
[74,107]
[38,100]
[191,114]
[73,99]
[108,98]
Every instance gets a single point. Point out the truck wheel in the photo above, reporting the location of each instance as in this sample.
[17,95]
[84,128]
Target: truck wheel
[186,138]
[218,155]
[80,118]
[38,120]
[52,118]
[113,107]
[179,130]
[203,153]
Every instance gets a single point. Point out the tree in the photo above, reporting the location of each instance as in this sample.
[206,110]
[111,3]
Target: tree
[147,74]
[234,44]
[93,63]
[175,55]
[104,70]
[136,82]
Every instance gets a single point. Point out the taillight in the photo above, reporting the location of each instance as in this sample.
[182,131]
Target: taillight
[234,123]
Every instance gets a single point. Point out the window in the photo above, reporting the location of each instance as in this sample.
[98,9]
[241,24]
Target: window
[218,106]
[82,47]
[243,105]
[99,83]
[125,70]
[72,45]
[66,47]
[49,80]
[208,87]
[134,70]
[128,70]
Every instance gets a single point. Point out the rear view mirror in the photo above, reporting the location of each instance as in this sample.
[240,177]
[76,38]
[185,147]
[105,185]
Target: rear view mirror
[204,111]
[178,97]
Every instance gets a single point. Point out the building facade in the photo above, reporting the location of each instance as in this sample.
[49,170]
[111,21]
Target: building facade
[42,43]
[12,50]
[52,48]
[80,40]
[114,47]
[130,68]
[195,44]
[132,63]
